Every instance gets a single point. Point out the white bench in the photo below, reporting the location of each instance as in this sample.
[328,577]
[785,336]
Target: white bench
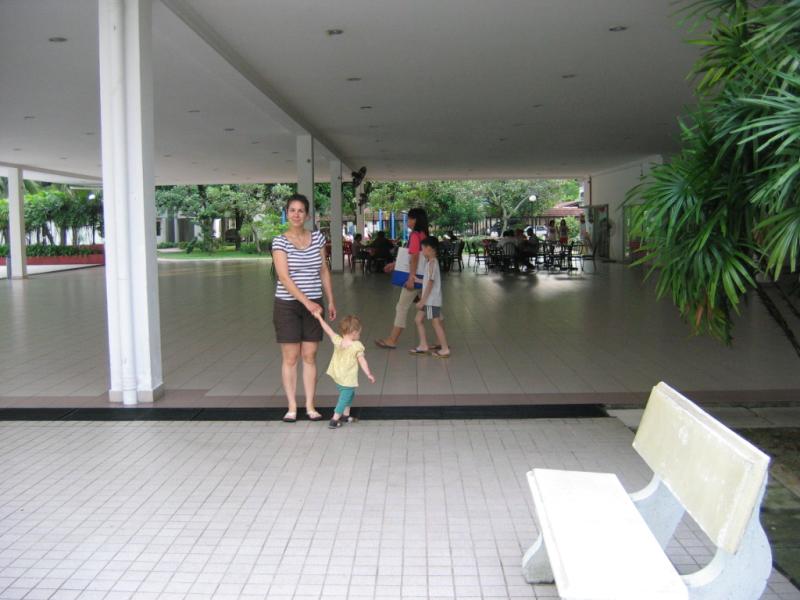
[599,543]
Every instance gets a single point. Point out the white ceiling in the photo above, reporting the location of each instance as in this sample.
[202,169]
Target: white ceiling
[446,80]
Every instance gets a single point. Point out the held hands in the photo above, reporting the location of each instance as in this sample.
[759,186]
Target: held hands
[315,310]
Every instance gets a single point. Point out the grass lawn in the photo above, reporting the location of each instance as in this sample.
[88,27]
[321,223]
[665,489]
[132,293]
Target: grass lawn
[225,253]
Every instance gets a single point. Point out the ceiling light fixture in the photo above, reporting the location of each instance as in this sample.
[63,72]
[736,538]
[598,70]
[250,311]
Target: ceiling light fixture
[28,117]
[275,152]
[88,133]
[193,110]
[569,76]
[538,105]
[618,28]
[17,149]
[502,139]
[372,126]
[354,79]
[57,39]
[168,156]
[333,32]
[255,142]
[230,129]
[366,107]
[62,157]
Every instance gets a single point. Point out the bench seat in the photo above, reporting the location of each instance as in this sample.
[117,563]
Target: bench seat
[598,544]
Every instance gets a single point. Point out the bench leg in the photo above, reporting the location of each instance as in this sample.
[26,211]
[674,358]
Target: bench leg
[661,510]
[535,563]
[740,576]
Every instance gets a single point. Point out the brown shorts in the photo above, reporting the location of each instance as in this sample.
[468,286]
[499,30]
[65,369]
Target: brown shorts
[294,324]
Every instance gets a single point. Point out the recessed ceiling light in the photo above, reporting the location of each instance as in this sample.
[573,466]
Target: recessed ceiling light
[88,133]
[538,105]
[501,139]
[215,169]
[275,152]
[62,157]
[372,126]
[28,117]
[194,162]
[366,107]
[569,76]
[168,156]
[289,160]
[57,39]
[334,31]
[377,141]
[230,129]
[193,110]
[617,28]
[517,124]
[17,149]
[354,79]
[255,142]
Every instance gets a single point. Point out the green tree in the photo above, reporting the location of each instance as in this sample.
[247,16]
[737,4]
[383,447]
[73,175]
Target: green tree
[726,209]
[508,198]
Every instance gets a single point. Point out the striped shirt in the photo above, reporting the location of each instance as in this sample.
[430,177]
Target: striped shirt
[304,266]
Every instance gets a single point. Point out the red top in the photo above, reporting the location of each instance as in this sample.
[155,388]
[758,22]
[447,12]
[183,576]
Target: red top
[415,242]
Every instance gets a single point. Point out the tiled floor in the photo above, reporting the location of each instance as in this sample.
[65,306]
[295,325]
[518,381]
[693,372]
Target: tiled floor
[599,337]
[383,509]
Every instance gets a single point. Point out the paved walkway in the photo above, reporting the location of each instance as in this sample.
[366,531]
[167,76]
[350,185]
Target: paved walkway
[517,339]
[384,509]
[44,269]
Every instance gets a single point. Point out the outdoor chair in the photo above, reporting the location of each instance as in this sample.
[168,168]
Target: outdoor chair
[481,256]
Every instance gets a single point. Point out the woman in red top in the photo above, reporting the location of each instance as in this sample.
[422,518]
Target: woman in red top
[418,223]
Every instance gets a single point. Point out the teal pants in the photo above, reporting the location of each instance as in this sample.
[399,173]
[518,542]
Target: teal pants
[346,395]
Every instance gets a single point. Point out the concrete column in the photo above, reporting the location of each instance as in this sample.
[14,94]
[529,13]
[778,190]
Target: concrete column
[16,224]
[126,111]
[359,209]
[305,174]
[337,259]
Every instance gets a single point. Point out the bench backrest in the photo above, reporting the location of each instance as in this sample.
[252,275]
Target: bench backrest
[714,473]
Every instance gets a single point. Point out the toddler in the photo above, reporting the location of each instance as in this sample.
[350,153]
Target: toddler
[348,354]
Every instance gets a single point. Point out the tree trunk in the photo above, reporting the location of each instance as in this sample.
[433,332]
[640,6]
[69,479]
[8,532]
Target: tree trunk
[63,233]
[239,221]
[48,234]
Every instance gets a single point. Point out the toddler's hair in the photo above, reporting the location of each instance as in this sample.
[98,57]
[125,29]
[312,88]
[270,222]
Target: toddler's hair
[432,242]
[349,324]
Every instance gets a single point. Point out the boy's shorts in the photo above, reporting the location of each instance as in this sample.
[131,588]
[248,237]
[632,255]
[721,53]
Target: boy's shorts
[433,312]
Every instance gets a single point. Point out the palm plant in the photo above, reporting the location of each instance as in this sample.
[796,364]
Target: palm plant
[723,216]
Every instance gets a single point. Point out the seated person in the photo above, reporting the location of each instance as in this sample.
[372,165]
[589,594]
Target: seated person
[526,248]
[381,248]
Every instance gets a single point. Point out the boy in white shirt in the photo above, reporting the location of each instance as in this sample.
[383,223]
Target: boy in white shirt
[430,303]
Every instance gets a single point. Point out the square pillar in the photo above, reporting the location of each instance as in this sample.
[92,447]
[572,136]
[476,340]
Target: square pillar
[16,224]
[305,175]
[337,259]
[126,116]
[360,224]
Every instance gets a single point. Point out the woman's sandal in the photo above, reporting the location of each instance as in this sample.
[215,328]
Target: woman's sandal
[418,351]
[384,345]
[438,354]
[290,417]
[314,416]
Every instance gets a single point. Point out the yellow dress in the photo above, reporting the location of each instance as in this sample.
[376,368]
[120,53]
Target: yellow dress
[344,362]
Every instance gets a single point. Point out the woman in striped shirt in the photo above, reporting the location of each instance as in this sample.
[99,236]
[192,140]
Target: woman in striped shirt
[303,275]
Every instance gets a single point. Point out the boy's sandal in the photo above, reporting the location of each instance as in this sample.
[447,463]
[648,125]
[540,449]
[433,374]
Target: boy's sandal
[290,417]
[417,351]
[384,345]
[334,423]
[314,416]
[438,354]
[349,419]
